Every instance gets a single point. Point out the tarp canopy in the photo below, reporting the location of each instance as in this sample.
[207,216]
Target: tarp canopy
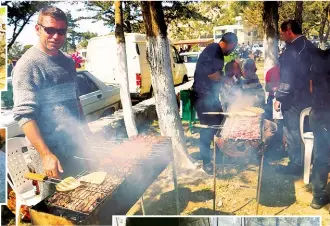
[194,41]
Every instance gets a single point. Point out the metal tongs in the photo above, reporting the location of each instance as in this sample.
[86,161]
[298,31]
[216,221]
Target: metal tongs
[41,178]
[44,178]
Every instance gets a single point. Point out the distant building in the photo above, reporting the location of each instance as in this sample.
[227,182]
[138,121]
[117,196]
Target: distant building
[244,35]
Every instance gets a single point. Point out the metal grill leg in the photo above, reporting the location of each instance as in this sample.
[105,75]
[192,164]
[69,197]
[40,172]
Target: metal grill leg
[142,206]
[223,164]
[260,177]
[214,173]
[175,181]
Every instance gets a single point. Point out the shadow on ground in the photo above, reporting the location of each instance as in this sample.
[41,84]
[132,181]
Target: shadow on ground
[277,190]
[207,211]
[157,206]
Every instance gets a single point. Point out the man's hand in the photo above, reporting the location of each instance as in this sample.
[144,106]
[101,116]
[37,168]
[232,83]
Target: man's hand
[51,165]
[277,105]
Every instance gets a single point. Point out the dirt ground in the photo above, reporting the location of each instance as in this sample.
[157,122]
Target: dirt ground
[235,189]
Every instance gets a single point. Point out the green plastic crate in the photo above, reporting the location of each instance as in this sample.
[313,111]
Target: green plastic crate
[188,113]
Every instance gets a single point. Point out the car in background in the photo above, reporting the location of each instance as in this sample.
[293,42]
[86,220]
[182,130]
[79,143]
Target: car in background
[190,61]
[97,100]
[258,47]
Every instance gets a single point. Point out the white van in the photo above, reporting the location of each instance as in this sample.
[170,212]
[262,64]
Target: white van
[101,60]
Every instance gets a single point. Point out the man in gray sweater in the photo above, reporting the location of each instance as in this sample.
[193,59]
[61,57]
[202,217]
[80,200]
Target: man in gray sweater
[46,103]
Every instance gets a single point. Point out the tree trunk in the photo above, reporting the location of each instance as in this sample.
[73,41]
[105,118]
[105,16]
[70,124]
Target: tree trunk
[122,73]
[298,12]
[270,23]
[158,56]
[322,26]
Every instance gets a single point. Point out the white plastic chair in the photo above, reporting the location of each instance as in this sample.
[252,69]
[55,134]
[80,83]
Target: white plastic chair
[17,167]
[308,139]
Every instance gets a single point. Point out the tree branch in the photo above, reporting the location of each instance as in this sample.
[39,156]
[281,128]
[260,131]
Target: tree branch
[19,31]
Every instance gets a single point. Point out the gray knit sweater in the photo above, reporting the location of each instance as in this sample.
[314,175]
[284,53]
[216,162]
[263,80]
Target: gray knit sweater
[44,90]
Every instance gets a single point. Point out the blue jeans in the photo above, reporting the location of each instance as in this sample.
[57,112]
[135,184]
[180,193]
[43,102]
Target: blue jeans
[269,109]
[291,131]
[207,104]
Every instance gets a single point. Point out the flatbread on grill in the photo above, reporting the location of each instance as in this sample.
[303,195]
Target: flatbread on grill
[94,178]
[68,184]
[246,113]
[255,110]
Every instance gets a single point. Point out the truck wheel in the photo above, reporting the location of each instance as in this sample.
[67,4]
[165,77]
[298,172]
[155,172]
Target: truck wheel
[151,93]
[185,79]
[108,112]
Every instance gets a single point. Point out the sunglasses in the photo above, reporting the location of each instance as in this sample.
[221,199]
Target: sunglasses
[53,31]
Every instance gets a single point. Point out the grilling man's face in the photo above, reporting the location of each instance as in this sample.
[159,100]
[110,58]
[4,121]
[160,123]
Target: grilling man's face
[51,33]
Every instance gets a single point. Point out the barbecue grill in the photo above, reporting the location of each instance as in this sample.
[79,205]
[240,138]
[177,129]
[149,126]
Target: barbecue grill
[240,136]
[125,183]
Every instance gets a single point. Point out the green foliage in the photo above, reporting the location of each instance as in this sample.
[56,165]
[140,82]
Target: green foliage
[72,36]
[103,11]
[26,47]
[17,51]
[19,15]
[215,13]
[174,11]
[312,15]
[85,37]
[252,17]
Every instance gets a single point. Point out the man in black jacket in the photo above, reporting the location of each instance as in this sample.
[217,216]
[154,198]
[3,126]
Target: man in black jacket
[293,94]
[206,89]
[320,123]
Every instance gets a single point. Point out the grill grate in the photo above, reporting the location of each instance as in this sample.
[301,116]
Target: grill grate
[242,128]
[129,173]
[87,197]
[239,135]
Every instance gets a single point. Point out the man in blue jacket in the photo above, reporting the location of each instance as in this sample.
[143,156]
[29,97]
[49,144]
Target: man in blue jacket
[206,89]
[293,94]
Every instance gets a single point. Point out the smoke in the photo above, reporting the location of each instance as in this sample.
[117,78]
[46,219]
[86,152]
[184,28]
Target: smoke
[238,101]
[66,136]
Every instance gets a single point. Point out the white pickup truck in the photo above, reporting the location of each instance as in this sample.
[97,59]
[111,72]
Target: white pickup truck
[97,99]
[101,61]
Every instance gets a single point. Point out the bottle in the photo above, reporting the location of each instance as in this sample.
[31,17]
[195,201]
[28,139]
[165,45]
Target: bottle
[277,114]
[36,187]
[35,183]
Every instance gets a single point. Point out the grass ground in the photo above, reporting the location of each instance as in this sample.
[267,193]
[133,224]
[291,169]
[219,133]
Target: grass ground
[260,71]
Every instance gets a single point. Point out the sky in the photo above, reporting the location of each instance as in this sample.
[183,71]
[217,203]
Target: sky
[29,36]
